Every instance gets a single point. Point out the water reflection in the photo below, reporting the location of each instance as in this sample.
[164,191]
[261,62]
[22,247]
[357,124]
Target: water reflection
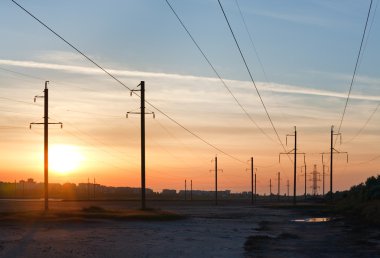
[313,220]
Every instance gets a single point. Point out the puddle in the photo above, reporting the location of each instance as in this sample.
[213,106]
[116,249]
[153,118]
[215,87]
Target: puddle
[313,220]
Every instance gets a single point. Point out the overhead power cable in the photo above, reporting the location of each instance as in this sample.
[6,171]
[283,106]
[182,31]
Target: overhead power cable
[253,81]
[251,40]
[355,70]
[364,126]
[215,71]
[378,105]
[125,86]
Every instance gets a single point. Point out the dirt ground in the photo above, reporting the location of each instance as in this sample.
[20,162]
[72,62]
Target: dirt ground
[227,230]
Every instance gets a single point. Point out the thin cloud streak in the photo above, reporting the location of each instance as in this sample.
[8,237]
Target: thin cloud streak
[273,87]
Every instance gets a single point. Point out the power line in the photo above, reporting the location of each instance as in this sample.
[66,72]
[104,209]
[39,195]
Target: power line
[22,74]
[125,86]
[356,67]
[215,71]
[253,81]
[251,40]
[364,126]
[364,47]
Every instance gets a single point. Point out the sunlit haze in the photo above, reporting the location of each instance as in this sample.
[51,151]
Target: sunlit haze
[307,52]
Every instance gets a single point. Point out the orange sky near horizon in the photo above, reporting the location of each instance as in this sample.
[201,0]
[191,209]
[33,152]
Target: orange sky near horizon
[302,67]
[110,144]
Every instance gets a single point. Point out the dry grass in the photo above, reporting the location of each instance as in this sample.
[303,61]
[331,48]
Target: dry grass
[89,214]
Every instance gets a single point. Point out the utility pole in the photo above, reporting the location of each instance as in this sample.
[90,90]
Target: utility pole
[288,186]
[252,180]
[278,187]
[323,179]
[88,188]
[255,187]
[216,178]
[142,121]
[185,190]
[94,187]
[270,187]
[294,151]
[191,190]
[331,160]
[46,142]
[332,151]
[305,179]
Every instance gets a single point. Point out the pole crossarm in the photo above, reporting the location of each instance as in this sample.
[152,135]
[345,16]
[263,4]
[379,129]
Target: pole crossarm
[58,123]
[291,152]
[336,152]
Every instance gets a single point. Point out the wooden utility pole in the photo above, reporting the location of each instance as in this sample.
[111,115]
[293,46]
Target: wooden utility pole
[252,196]
[332,151]
[142,121]
[288,186]
[270,187]
[46,142]
[185,190]
[323,179]
[331,160]
[278,186]
[255,186]
[191,190]
[305,180]
[294,151]
[216,180]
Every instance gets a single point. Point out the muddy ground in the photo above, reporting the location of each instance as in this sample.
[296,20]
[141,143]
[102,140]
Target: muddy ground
[228,230]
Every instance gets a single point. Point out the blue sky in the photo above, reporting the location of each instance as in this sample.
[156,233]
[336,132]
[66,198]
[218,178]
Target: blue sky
[308,50]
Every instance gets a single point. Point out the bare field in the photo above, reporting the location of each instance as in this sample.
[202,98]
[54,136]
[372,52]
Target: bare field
[231,229]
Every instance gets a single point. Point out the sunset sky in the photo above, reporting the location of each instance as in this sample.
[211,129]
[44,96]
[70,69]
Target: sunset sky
[307,49]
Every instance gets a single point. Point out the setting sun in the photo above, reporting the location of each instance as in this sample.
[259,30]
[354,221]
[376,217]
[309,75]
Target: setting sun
[64,159]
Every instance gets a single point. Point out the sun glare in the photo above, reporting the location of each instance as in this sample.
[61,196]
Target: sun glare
[63,159]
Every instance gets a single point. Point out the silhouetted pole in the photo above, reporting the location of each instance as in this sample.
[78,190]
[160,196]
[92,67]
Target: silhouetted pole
[331,160]
[216,180]
[255,185]
[142,119]
[295,165]
[46,142]
[185,189]
[270,187]
[278,190]
[305,181]
[46,145]
[252,180]
[323,180]
[288,186]
[88,188]
[142,85]
[94,188]
[191,190]
[332,150]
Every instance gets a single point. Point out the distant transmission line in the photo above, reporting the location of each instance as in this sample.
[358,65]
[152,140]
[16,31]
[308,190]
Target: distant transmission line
[253,81]
[216,72]
[125,86]
[355,70]
[251,40]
